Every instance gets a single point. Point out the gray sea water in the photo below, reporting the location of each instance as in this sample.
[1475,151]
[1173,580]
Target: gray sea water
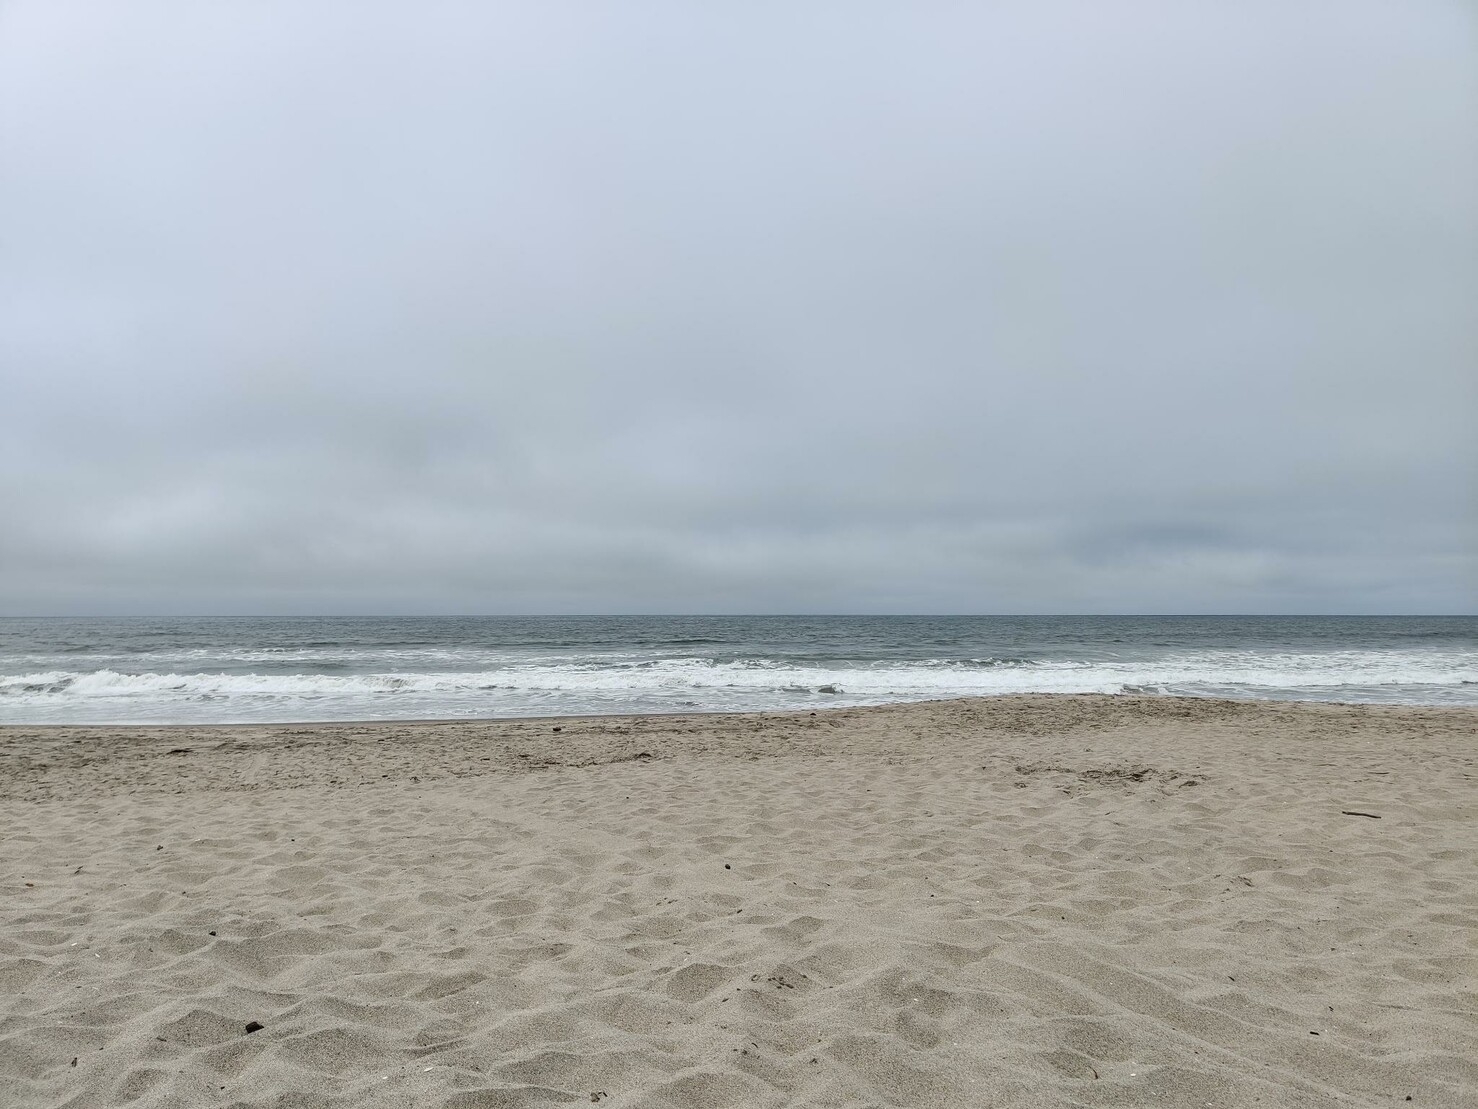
[362,668]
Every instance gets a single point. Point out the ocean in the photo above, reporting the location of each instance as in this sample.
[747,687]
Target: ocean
[239,669]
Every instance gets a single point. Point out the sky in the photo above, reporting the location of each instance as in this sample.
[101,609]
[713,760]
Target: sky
[557,307]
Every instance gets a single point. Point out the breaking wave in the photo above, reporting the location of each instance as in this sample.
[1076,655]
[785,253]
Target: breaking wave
[625,682]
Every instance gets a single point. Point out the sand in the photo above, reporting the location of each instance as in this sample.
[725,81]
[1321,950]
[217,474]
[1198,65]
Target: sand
[1026,901]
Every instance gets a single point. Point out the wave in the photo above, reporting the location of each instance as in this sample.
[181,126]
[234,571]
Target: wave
[446,683]
[964,675]
[36,683]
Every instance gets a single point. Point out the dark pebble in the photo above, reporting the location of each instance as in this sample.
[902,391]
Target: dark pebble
[254,1026]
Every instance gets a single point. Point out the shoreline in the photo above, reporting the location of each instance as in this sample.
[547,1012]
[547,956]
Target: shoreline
[1035,900]
[710,713]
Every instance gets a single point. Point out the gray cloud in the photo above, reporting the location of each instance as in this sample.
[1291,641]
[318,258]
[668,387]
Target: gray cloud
[481,308]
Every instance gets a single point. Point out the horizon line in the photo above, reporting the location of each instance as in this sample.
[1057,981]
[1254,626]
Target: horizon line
[730,615]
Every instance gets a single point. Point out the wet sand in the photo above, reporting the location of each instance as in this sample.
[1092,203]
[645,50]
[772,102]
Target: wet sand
[1026,901]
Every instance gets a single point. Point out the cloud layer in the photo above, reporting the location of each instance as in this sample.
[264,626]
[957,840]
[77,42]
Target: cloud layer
[546,308]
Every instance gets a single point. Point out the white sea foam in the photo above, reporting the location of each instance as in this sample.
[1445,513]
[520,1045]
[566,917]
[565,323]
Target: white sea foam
[636,682]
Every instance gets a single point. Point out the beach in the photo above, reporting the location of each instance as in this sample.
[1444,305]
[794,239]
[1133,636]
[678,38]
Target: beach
[1036,900]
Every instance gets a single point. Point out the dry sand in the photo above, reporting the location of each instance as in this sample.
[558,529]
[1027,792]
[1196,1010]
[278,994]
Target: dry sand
[1027,901]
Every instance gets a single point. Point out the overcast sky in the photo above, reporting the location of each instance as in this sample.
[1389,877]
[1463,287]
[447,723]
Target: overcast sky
[761,307]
